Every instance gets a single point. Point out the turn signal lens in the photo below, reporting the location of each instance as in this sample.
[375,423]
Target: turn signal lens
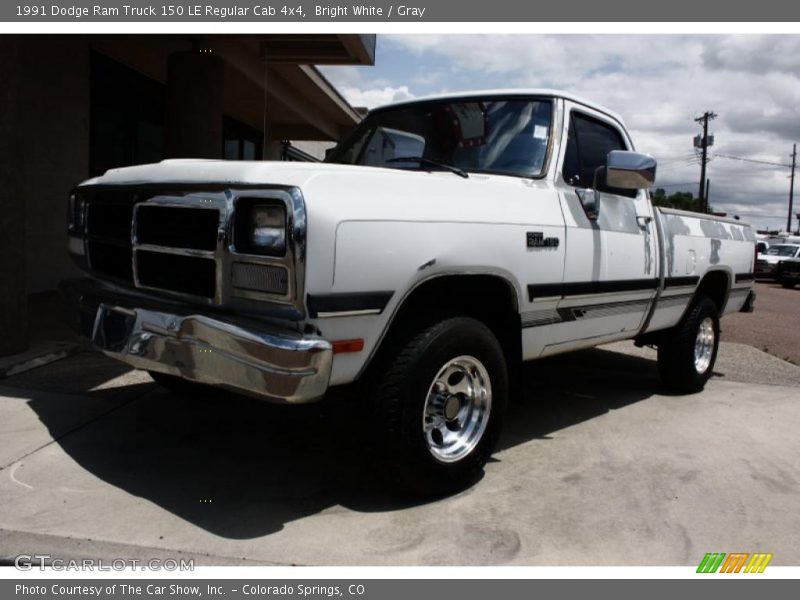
[343,346]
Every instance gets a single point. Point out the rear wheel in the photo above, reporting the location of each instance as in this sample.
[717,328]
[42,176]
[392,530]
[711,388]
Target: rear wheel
[788,283]
[439,407]
[687,355]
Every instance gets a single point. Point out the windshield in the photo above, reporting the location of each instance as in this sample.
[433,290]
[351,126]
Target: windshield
[508,137]
[782,250]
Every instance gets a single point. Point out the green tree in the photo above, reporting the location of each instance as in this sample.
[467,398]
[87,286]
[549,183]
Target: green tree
[679,200]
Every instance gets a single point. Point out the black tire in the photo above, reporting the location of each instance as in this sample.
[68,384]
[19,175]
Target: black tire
[403,451]
[676,353]
[787,283]
[180,386]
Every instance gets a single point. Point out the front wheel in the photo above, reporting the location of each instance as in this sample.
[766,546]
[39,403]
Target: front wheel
[439,407]
[788,283]
[687,355]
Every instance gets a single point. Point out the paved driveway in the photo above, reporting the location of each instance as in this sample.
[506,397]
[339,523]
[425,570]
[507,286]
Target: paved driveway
[773,326]
[597,466]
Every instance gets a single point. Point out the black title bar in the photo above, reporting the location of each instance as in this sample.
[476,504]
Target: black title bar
[266,11]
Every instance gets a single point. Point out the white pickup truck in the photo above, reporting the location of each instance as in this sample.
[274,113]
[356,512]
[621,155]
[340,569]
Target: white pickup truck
[443,243]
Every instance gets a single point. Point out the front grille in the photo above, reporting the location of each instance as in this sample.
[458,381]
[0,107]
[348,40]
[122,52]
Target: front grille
[184,274]
[175,227]
[790,266]
[111,260]
[109,217]
[113,214]
[110,220]
[178,242]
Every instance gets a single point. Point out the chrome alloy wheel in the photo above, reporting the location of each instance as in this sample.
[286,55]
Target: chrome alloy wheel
[704,345]
[457,409]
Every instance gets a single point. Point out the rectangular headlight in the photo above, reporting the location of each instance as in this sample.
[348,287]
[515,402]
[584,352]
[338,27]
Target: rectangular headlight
[268,228]
[76,213]
[260,228]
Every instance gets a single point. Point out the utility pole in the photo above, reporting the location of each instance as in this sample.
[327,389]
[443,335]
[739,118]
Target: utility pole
[707,196]
[791,191]
[703,144]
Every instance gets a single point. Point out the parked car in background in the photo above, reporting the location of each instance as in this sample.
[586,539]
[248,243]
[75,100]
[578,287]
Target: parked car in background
[767,263]
[788,272]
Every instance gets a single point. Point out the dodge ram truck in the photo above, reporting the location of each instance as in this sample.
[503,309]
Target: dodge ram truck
[445,241]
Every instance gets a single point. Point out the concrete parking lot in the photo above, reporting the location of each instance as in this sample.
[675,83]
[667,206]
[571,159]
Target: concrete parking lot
[773,326]
[598,466]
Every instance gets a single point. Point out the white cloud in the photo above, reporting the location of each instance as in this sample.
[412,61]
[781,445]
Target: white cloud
[361,91]
[371,98]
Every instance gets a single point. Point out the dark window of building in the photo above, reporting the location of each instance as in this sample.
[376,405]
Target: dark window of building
[126,117]
[588,143]
[240,141]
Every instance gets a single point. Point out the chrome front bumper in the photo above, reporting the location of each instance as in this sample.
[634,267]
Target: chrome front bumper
[276,364]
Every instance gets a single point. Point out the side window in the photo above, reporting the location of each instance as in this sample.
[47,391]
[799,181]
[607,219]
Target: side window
[572,160]
[588,143]
[354,149]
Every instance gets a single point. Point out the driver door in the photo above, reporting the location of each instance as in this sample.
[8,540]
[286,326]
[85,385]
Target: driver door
[610,270]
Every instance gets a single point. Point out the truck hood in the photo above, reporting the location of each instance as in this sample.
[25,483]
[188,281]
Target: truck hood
[218,172]
[245,172]
[351,192]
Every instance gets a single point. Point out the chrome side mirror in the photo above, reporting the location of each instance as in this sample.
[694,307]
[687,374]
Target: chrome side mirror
[630,170]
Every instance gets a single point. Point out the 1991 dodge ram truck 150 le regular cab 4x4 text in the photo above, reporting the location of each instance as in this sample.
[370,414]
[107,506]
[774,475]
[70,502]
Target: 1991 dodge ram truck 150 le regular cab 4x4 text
[442,243]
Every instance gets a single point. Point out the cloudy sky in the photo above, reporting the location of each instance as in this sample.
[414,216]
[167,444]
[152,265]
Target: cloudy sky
[658,83]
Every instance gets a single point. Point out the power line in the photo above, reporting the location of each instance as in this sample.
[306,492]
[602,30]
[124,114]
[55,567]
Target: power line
[676,165]
[668,157]
[753,160]
[676,157]
[672,168]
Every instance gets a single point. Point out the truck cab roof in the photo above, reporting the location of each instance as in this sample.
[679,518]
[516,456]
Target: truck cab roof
[521,92]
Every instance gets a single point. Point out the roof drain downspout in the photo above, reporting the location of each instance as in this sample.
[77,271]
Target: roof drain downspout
[661,270]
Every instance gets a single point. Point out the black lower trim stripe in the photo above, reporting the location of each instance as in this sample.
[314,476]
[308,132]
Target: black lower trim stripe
[745,277]
[332,303]
[593,311]
[681,281]
[580,288]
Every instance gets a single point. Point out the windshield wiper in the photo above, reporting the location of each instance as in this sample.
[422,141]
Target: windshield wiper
[429,161]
